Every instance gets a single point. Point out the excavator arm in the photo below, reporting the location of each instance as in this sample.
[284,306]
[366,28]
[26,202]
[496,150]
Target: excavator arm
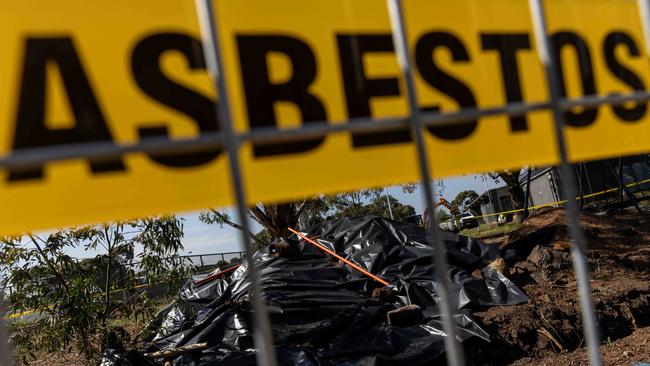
[441,202]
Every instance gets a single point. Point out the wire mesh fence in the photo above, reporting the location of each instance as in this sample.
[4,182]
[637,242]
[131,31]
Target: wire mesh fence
[416,121]
[129,272]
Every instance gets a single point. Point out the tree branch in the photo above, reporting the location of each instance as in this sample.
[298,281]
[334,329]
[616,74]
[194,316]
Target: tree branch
[261,217]
[226,220]
[48,262]
[302,209]
[107,284]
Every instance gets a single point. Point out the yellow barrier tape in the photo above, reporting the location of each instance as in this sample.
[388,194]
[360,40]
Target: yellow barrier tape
[31,311]
[564,201]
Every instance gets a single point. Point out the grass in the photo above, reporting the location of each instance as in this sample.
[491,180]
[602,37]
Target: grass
[491,229]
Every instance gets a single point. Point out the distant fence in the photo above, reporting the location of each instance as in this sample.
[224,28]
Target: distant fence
[199,263]
[196,263]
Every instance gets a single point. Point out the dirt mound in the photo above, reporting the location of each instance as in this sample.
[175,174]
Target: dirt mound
[600,229]
[626,351]
[550,324]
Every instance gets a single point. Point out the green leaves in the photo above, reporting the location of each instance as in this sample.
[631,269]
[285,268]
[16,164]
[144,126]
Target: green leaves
[74,302]
[466,201]
[276,218]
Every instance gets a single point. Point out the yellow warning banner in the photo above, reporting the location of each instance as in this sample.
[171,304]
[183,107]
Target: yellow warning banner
[120,71]
[75,72]
[292,62]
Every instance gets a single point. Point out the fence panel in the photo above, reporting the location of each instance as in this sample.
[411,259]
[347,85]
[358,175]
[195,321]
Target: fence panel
[417,121]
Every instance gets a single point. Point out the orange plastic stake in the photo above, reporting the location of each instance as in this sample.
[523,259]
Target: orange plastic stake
[215,275]
[333,254]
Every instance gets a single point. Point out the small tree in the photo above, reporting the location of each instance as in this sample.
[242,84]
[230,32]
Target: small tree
[274,218]
[75,300]
[511,179]
[443,215]
[466,201]
[379,207]
[351,204]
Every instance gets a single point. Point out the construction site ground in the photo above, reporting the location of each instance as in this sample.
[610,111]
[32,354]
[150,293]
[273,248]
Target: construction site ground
[548,329]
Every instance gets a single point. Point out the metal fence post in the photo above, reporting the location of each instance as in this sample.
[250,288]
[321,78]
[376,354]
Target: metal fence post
[262,336]
[5,349]
[454,352]
[644,13]
[201,259]
[580,266]
[529,171]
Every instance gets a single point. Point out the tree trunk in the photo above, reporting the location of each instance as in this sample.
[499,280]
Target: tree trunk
[49,263]
[511,179]
[519,199]
[475,211]
[276,219]
[518,195]
[226,220]
[107,288]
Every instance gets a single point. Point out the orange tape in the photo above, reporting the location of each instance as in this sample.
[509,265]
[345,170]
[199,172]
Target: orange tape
[333,254]
[214,275]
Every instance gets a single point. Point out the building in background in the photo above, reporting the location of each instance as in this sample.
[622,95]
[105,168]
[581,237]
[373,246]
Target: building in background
[545,185]
[590,177]
[499,200]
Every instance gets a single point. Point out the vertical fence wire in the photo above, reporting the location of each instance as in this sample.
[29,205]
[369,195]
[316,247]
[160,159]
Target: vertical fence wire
[262,336]
[262,330]
[579,257]
[454,352]
[644,13]
[6,358]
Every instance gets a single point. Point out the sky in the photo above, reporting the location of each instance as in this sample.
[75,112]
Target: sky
[200,238]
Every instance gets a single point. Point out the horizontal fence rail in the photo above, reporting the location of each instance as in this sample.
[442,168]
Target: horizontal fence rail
[230,139]
[34,157]
[196,264]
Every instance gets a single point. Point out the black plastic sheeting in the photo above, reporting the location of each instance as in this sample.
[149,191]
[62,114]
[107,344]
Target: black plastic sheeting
[321,310]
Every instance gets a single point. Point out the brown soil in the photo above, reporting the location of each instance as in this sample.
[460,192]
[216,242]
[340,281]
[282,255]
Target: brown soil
[626,351]
[549,324]
[59,359]
[548,330]
[72,358]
